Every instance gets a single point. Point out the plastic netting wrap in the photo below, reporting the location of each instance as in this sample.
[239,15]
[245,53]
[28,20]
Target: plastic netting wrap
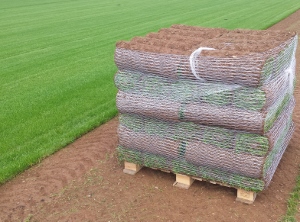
[249,58]
[222,113]
[183,166]
[231,106]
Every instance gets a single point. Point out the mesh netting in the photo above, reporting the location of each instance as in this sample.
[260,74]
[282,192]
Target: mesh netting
[182,166]
[249,58]
[242,108]
[223,115]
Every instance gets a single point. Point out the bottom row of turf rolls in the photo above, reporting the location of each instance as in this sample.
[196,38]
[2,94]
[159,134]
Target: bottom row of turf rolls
[179,164]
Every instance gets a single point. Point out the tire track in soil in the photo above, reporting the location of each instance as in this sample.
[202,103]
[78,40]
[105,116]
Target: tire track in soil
[43,189]
[35,185]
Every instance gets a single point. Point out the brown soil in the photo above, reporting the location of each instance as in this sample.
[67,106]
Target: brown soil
[85,182]
[183,40]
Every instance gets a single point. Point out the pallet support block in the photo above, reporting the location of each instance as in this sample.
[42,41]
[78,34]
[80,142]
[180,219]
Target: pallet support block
[245,196]
[183,181]
[131,168]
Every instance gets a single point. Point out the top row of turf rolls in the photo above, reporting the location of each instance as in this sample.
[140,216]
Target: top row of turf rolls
[245,57]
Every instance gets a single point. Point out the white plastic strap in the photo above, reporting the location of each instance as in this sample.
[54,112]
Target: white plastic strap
[193,58]
[290,72]
[218,88]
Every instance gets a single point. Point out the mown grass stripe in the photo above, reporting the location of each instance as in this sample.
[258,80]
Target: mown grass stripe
[57,68]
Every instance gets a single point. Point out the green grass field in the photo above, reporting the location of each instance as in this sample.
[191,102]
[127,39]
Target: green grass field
[57,68]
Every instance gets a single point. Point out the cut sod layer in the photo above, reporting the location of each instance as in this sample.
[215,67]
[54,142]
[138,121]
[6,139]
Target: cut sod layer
[202,113]
[189,90]
[231,150]
[183,165]
[244,57]
[238,141]
[184,91]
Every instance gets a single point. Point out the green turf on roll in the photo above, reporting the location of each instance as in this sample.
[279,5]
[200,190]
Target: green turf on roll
[274,113]
[251,143]
[181,166]
[189,90]
[186,131]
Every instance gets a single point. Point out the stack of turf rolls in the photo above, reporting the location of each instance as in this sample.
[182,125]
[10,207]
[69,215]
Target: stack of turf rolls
[210,103]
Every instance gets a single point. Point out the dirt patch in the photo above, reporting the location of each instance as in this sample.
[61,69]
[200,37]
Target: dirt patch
[85,182]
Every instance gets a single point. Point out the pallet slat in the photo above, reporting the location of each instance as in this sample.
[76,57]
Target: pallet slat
[184,181]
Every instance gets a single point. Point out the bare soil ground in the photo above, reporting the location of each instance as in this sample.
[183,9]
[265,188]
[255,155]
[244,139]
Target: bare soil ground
[85,182]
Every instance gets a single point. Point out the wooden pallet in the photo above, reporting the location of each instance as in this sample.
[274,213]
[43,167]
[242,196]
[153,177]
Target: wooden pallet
[184,181]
